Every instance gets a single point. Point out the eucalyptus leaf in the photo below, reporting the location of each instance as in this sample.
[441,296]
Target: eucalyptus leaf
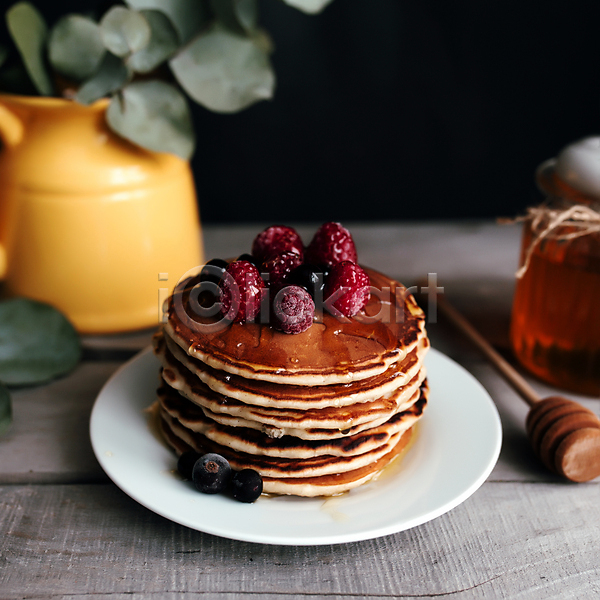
[5,409]
[29,32]
[223,71]
[124,31]
[247,13]
[155,115]
[111,76]
[75,47]
[309,6]
[241,16]
[187,16]
[37,342]
[164,41]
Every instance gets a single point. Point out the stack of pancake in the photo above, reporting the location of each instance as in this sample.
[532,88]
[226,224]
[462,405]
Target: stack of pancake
[316,413]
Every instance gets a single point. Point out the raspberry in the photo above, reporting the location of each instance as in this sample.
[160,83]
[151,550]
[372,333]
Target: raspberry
[293,309]
[279,268]
[356,288]
[275,240]
[242,290]
[330,245]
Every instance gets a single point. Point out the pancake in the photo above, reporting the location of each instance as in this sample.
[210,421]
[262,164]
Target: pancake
[310,424]
[277,467]
[335,350]
[262,393]
[253,441]
[330,485]
[280,421]
[310,486]
[315,413]
[313,476]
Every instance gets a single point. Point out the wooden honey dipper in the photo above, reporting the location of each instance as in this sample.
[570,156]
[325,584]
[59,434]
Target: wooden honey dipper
[564,434]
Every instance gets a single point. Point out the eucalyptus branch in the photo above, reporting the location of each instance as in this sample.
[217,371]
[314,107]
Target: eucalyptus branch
[150,58]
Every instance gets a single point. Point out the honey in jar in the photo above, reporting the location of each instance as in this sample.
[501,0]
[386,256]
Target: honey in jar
[555,326]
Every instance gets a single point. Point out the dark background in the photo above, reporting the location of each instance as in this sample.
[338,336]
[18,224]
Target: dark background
[392,109]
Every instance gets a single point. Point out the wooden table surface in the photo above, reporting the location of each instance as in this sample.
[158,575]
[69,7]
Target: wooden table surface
[68,532]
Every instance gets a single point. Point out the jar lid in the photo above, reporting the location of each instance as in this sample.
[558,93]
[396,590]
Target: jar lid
[574,173]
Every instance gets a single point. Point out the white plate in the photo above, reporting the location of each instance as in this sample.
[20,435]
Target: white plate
[457,445]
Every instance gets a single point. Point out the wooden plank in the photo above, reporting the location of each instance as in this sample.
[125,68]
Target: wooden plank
[118,346]
[508,540]
[49,440]
[523,534]
[49,437]
[517,460]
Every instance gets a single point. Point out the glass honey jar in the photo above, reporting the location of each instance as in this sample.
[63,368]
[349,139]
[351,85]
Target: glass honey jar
[555,325]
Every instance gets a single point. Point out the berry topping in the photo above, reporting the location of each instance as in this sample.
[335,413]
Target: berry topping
[246,485]
[251,259]
[347,289]
[186,462]
[242,290]
[211,473]
[205,293]
[311,278]
[293,309]
[275,240]
[331,244]
[213,270]
[279,267]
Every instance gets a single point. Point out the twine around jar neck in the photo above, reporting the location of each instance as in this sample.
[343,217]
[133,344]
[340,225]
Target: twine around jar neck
[547,221]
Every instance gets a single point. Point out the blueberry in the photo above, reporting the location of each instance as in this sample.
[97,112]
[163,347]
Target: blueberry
[204,293]
[213,270]
[250,258]
[246,485]
[310,277]
[186,463]
[325,269]
[211,473]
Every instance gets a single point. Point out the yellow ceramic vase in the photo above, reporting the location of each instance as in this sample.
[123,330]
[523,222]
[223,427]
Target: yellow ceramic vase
[90,223]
